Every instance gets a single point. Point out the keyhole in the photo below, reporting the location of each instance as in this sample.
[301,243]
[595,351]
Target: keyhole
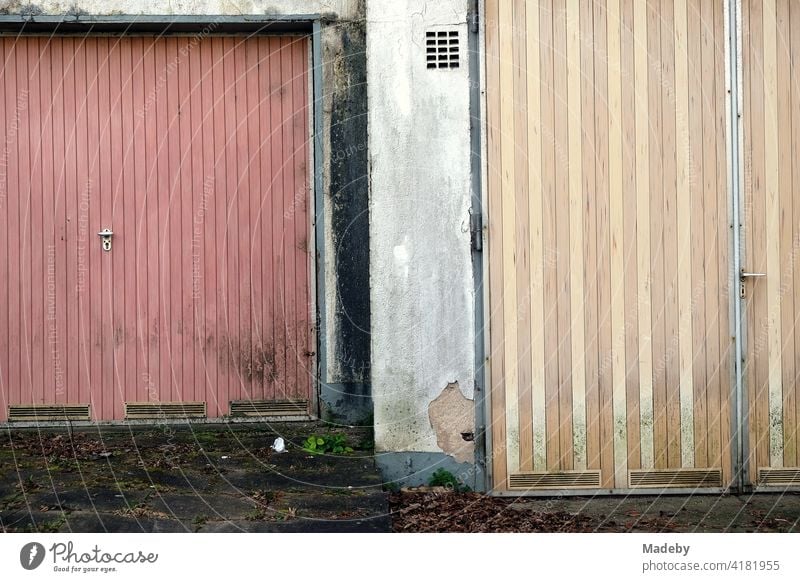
[106,244]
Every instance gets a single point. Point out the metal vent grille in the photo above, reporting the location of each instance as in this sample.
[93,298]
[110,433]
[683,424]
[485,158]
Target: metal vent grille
[683,478]
[442,49]
[134,410]
[562,480]
[269,408]
[779,477]
[48,412]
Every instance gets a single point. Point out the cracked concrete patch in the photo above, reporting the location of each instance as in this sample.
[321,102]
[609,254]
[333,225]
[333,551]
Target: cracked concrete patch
[451,414]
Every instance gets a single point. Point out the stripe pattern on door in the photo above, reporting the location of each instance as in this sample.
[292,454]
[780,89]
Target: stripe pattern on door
[608,241]
[771,112]
[194,151]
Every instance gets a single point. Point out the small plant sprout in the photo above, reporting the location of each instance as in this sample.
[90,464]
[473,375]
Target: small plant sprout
[333,444]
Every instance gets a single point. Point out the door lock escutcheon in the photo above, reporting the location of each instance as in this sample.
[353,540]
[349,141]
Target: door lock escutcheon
[105,238]
[743,277]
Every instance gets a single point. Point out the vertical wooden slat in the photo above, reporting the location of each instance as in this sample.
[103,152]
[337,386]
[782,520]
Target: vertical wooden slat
[522,260]
[758,259]
[749,368]
[684,233]
[671,356]
[593,445]
[496,281]
[724,267]
[507,145]
[772,216]
[643,234]
[534,139]
[549,240]
[630,203]
[657,239]
[794,47]
[714,223]
[576,229]
[698,109]
[786,232]
[605,331]
[561,206]
[617,230]
[558,212]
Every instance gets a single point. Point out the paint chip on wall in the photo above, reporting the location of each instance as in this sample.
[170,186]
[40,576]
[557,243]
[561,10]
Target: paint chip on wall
[452,414]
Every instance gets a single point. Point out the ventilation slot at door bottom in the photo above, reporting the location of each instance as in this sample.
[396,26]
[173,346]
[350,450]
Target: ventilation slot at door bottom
[562,480]
[269,408]
[136,410]
[48,412]
[779,477]
[683,478]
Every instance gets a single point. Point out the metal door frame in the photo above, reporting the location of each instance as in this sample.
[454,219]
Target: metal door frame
[735,132]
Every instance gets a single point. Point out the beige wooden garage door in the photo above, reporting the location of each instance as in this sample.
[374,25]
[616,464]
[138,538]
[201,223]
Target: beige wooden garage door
[771,113]
[610,347]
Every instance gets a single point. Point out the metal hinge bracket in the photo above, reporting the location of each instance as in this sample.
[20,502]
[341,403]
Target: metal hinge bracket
[476,230]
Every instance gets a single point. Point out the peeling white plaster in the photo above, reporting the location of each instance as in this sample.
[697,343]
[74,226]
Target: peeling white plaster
[422,289]
[402,257]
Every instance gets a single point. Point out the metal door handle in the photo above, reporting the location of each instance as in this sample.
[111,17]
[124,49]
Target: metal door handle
[105,238]
[745,275]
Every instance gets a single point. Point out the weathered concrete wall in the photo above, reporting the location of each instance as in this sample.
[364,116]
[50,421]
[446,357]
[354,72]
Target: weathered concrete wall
[344,9]
[346,389]
[422,290]
[345,361]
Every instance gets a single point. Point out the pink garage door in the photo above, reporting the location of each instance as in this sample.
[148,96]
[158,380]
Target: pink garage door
[194,152]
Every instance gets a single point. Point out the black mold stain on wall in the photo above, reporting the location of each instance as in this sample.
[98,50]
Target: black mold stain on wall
[348,201]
